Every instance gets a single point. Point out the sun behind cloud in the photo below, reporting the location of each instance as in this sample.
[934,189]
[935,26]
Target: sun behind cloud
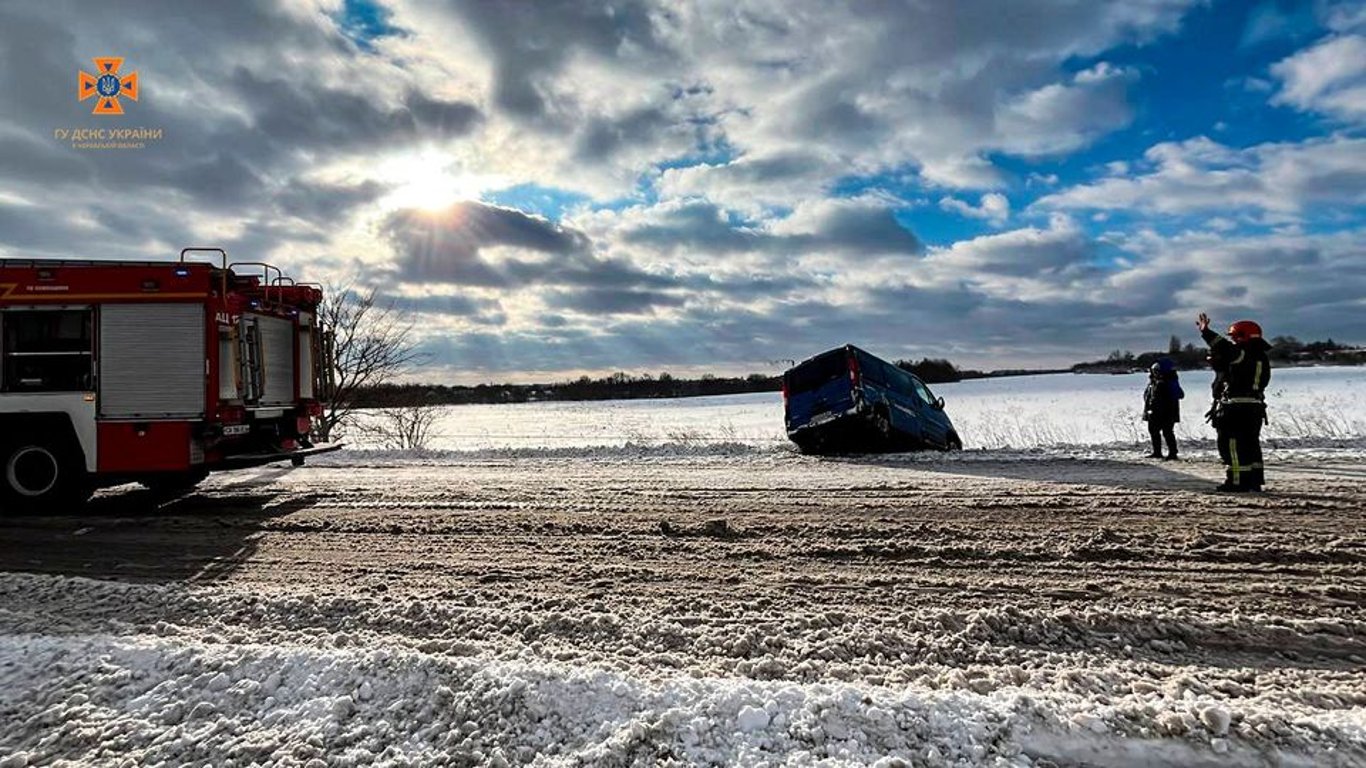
[430,180]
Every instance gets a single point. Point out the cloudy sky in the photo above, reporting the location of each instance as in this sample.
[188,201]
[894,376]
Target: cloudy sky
[565,187]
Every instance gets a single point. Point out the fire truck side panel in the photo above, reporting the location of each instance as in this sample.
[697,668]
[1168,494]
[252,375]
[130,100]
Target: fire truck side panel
[128,447]
[78,407]
[151,360]
[305,371]
[277,352]
[224,367]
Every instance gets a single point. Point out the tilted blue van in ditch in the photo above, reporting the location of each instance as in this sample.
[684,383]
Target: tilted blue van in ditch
[847,400]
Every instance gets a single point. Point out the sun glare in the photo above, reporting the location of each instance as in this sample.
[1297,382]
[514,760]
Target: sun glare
[429,181]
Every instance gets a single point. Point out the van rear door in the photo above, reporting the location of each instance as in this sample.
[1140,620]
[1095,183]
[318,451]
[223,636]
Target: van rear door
[818,389]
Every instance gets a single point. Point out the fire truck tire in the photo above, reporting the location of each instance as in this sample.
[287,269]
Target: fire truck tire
[42,475]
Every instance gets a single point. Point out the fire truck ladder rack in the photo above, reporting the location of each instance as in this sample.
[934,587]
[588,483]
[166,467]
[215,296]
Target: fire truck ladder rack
[223,278]
[265,276]
[253,372]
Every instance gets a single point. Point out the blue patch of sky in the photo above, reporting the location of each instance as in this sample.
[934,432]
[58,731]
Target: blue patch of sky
[554,202]
[1197,82]
[1202,81]
[1194,83]
[550,202]
[1211,79]
[939,228]
[365,21]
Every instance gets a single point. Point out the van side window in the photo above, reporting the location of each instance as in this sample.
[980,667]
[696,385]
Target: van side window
[923,392]
[901,380]
[872,370]
[46,351]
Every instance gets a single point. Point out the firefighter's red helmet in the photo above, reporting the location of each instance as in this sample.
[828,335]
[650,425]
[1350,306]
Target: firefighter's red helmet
[1244,330]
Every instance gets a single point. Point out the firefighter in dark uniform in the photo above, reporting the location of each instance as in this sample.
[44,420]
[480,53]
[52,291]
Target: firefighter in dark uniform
[1242,370]
[1218,360]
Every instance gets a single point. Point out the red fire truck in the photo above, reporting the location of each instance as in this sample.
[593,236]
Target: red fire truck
[152,372]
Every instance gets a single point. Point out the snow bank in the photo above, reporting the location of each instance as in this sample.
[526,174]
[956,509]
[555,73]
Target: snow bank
[156,702]
[168,675]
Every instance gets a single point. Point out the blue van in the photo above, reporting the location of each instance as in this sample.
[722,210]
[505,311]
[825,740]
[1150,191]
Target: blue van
[849,400]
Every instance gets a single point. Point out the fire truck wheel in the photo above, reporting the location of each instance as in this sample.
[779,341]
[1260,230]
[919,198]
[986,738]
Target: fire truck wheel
[41,475]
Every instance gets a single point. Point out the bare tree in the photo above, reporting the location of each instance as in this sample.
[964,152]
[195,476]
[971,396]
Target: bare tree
[372,342]
[404,428]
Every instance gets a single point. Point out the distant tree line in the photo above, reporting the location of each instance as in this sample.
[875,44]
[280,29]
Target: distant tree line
[940,371]
[617,386]
[1286,350]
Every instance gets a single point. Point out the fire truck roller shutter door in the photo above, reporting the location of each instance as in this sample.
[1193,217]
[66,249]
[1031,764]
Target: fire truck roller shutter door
[151,361]
[277,352]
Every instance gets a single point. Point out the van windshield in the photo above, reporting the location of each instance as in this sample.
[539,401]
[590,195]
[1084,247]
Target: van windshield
[817,372]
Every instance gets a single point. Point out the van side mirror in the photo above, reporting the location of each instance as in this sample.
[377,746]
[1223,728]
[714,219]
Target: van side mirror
[939,403]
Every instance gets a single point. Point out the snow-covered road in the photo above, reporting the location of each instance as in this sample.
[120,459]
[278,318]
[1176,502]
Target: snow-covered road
[714,605]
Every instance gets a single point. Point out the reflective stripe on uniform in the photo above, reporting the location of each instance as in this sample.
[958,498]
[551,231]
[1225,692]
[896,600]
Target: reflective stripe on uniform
[1243,401]
[1242,353]
[1233,468]
[1257,378]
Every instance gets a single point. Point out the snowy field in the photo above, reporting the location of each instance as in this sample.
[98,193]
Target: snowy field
[1017,412]
[668,583]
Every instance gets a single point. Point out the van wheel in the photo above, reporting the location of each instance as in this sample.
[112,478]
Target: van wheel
[953,443]
[882,426]
[41,475]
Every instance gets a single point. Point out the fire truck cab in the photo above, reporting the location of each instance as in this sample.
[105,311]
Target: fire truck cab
[152,372]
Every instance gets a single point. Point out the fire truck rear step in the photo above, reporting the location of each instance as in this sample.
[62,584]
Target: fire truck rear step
[248,460]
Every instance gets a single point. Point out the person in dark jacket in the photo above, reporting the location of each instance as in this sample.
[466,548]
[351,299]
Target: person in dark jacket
[1162,406]
[1242,371]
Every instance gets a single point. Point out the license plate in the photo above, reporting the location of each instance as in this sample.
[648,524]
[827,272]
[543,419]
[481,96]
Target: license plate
[236,429]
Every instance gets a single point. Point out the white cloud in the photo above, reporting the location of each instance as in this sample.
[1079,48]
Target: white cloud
[994,207]
[1061,117]
[1329,77]
[951,84]
[1281,179]
[754,183]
